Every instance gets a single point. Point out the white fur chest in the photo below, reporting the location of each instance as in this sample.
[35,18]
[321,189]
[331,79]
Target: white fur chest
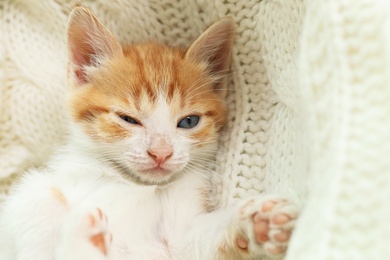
[148,222]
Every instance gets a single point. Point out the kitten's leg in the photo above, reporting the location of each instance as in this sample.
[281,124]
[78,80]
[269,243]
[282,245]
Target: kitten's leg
[32,216]
[85,236]
[258,226]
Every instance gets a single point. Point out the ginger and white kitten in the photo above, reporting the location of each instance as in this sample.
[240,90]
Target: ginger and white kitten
[131,183]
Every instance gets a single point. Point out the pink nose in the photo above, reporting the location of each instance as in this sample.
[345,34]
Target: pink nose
[160,155]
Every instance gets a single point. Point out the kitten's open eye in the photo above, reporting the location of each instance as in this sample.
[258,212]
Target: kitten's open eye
[188,122]
[129,119]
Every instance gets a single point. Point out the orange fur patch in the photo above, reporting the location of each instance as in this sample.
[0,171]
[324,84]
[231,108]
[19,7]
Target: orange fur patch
[226,252]
[59,196]
[98,240]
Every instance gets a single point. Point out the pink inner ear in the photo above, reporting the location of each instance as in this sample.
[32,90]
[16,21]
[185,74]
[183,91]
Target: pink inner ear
[80,76]
[81,56]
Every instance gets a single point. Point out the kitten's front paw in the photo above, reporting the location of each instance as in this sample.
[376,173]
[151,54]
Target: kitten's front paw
[96,229]
[266,225]
[85,236]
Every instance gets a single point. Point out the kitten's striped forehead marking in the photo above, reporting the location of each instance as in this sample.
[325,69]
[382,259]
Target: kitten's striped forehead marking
[160,120]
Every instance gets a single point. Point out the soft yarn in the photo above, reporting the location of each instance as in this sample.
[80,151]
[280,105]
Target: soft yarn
[309,100]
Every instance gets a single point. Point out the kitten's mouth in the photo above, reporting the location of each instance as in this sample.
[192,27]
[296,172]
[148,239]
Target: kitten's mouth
[158,170]
[150,176]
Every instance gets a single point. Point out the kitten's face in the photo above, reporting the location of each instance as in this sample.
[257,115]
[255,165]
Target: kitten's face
[151,110]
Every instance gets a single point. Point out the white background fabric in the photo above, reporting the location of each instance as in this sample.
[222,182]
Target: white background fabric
[309,100]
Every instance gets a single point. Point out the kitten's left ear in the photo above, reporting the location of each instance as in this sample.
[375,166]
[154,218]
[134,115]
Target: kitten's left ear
[89,44]
[214,48]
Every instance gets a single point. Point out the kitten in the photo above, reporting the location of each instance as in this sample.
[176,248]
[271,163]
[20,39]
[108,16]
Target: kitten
[131,183]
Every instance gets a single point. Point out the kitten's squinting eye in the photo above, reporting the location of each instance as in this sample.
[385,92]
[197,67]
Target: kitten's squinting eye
[129,120]
[188,122]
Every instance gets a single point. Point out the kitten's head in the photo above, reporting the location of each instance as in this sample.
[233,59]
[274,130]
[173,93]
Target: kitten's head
[151,110]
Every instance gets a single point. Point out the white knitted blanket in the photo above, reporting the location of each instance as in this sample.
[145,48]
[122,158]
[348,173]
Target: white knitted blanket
[309,101]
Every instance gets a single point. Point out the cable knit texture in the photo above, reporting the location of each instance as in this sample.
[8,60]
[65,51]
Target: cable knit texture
[309,103]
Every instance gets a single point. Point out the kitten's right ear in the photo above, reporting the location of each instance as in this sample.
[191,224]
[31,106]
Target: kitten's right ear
[89,43]
[213,48]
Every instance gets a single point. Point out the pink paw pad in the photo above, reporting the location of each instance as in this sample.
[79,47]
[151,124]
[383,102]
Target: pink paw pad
[271,222]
